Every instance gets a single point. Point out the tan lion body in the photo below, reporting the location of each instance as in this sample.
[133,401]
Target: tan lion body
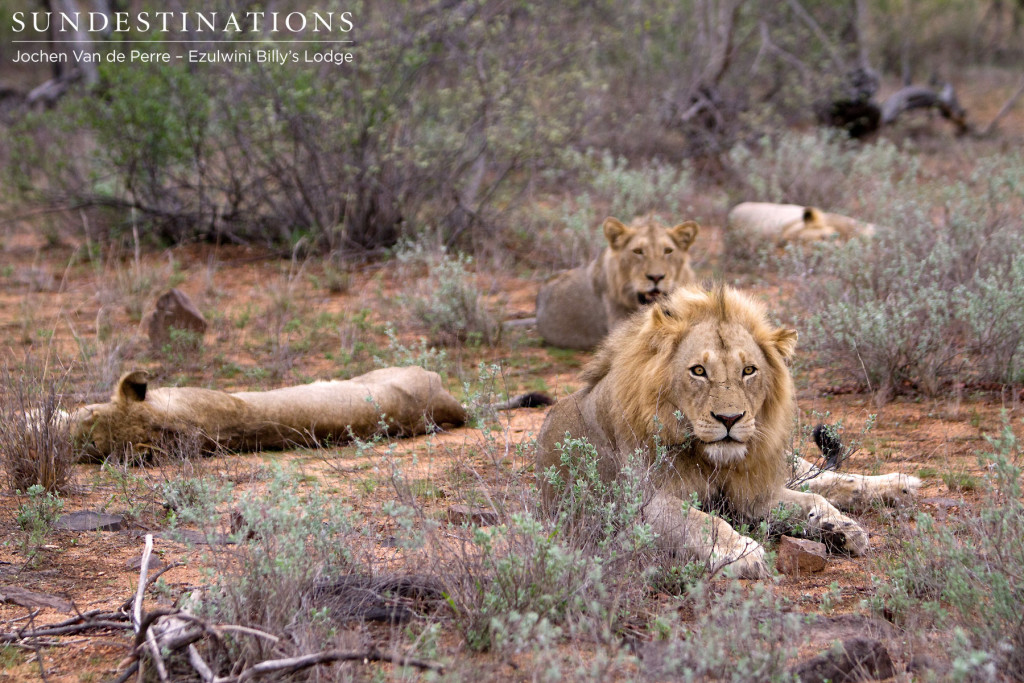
[783,223]
[642,262]
[409,400]
[706,373]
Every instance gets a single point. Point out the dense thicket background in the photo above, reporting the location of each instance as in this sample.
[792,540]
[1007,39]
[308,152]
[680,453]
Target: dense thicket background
[455,115]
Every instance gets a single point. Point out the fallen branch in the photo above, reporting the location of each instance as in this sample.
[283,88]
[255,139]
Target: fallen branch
[15,636]
[127,604]
[918,97]
[293,664]
[1004,110]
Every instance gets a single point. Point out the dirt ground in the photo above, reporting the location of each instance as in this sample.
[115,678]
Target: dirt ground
[80,320]
[74,312]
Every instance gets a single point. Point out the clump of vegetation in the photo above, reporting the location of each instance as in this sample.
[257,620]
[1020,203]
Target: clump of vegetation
[929,300]
[34,437]
[963,576]
[36,517]
[449,304]
[541,577]
[736,635]
[572,235]
[290,538]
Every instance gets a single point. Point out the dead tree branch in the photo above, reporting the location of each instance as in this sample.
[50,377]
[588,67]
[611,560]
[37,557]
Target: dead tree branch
[1004,110]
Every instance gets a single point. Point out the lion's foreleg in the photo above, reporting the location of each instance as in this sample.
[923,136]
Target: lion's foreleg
[854,490]
[822,517]
[705,537]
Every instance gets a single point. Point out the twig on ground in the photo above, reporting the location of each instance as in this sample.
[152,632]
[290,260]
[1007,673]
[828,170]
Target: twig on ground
[293,664]
[1007,106]
[127,604]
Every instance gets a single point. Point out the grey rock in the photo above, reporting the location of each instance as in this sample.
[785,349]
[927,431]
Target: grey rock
[857,659]
[471,514]
[174,311]
[86,520]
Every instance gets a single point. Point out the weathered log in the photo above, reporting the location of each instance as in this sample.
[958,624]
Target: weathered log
[920,97]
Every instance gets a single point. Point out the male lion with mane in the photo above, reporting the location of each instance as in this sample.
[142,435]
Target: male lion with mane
[643,262]
[705,374]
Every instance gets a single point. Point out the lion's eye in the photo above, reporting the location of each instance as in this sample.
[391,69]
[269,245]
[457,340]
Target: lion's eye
[698,371]
[749,370]
[668,250]
[638,251]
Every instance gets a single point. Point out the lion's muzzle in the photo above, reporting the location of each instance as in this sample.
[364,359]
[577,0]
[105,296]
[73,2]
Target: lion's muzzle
[650,296]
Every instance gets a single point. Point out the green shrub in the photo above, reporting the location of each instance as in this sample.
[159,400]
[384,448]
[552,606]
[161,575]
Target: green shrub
[441,120]
[36,517]
[289,539]
[735,635]
[964,575]
[926,301]
[539,579]
[449,304]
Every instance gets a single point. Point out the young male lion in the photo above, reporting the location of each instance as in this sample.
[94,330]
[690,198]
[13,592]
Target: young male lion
[643,262]
[704,373]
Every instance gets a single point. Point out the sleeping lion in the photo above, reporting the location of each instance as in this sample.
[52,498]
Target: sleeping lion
[705,373]
[785,223]
[399,401]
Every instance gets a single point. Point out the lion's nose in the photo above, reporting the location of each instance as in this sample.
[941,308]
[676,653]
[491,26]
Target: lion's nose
[656,278]
[728,420]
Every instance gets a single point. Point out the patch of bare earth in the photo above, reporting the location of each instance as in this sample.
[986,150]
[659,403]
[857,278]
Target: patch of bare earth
[273,323]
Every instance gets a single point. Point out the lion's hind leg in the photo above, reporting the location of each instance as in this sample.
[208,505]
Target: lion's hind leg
[850,491]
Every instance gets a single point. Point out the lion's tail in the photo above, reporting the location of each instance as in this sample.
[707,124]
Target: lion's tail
[831,446]
[533,399]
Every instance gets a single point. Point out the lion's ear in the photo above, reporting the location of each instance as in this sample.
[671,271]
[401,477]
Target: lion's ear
[616,232]
[684,234]
[131,387]
[812,216]
[785,342]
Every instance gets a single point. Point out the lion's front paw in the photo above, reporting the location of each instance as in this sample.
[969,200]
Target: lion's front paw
[745,558]
[839,532]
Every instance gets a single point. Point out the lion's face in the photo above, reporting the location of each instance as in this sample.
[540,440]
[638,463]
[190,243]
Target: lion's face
[103,428]
[720,382]
[705,373]
[646,260]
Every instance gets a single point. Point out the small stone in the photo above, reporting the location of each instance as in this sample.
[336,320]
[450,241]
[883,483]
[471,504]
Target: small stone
[174,311]
[922,663]
[471,514]
[857,659]
[86,520]
[799,555]
[26,598]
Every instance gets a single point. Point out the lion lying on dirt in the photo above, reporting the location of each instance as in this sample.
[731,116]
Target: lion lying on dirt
[705,374]
[642,262]
[397,401]
[782,223]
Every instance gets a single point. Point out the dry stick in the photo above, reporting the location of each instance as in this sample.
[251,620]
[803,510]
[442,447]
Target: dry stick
[199,664]
[1005,109]
[127,604]
[293,664]
[154,650]
[60,631]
